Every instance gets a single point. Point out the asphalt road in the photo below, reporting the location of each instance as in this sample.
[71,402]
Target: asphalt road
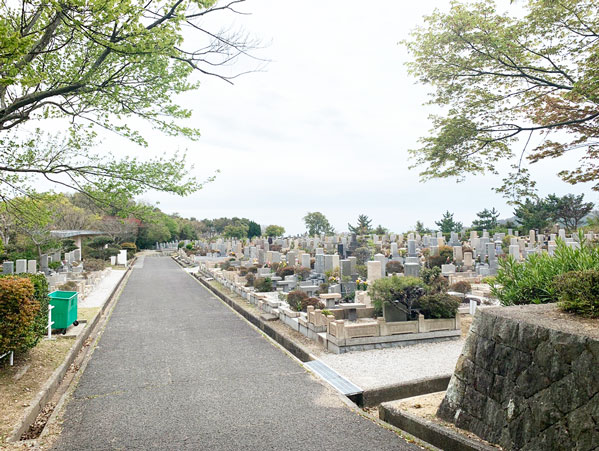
[177,369]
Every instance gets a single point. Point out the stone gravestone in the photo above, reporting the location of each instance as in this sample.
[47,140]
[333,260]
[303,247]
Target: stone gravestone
[21,266]
[374,270]
[31,266]
[8,268]
[345,268]
[514,251]
[306,260]
[354,264]
[412,269]
[122,257]
[411,248]
[44,263]
[77,255]
[319,263]
[468,262]
[381,258]
[457,254]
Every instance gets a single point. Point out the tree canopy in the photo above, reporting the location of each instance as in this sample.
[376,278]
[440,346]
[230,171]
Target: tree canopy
[98,64]
[363,227]
[447,225]
[317,223]
[487,219]
[499,77]
[274,230]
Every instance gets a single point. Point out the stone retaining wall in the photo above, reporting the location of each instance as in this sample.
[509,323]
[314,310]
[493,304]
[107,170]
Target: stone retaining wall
[528,378]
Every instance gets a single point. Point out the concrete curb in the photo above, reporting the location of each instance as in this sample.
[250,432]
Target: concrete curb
[291,346]
[378,395]
[439,436]
[49,388]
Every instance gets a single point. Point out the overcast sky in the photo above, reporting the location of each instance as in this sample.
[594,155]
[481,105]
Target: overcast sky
[326,127]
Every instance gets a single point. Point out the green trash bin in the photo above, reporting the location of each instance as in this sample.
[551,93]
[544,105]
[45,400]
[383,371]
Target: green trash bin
[64,312]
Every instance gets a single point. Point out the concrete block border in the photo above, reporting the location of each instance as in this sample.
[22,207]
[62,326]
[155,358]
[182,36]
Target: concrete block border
[51,385]
[439,436]
[378,395]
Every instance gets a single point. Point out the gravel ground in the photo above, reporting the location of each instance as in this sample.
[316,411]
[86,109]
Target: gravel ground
[379,367]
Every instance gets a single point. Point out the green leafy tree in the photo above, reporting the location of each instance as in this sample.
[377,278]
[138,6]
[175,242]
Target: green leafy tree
[569,209]
[447,224]
[236,231]
[363,227]
[500,77]
[487,219]
[274,230]
[419,227]
[317,223]
[253,229]
[99,64]
[533,214]
[380,230]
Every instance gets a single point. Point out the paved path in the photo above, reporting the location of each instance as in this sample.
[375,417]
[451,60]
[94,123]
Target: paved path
[177,369]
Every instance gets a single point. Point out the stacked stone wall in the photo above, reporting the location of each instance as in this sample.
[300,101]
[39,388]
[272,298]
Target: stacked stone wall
[526,384]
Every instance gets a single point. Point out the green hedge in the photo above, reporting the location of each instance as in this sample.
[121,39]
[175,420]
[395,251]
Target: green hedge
[37,329]
[531,281]
[18,312]
[578,292]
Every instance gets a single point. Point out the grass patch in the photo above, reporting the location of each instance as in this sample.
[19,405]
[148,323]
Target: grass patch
[87,313]
[20,383]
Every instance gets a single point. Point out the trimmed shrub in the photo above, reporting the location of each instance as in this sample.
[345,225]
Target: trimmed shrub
[263,284]
[394,267]
[242,271]
[445,256]
[189,247]
[18,312]
[395,288]
[578,292]
[302,272]
[253,269]
[68,286]
[362,254]
[314,302]
[296,299]
[440,305]
[285,271]
[94,264]
[461,287]
[250,277]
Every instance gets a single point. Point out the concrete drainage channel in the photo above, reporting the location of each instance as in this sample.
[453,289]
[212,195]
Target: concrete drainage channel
[379,397]
[36,417]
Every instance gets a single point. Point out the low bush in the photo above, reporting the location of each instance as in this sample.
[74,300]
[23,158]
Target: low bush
[395,288]
[54,265]
[285,271]
[314,302]
[578,292]
[242,271]
[131,249]
[323,288]
[296,299]
[189,247]
[68,286]
[94,264]
[531,281]
[440,305]
[461,287]
[250,277]
[394,267]
[18,312]
[302,272]
[263,284]
[445,256]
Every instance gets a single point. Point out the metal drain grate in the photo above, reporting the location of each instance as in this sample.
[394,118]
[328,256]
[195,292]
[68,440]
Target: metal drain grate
[341,384]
